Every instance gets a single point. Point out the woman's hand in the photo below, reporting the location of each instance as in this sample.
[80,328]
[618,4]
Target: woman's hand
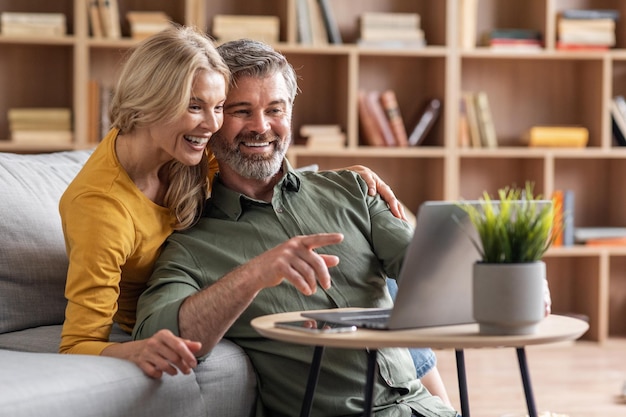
[376,185]
[162,353]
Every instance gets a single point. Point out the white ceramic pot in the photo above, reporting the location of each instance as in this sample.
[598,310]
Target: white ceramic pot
[508,299]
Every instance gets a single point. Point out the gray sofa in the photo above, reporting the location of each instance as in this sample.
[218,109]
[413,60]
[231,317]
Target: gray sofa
[37,381]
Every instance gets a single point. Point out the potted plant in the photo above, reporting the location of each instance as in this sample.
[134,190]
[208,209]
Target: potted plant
[509,280]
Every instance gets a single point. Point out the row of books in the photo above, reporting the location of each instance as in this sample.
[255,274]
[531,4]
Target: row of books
[569,235]
[232,27]
[382,122]
[586,29]
[618,119]
[316,23]
[398,30]
[476,126]
[35,125]
[33,24]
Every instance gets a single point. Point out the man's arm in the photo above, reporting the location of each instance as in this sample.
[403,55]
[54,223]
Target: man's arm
[207,315]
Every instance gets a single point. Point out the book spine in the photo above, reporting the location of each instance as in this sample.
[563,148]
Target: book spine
[568,218]
[557,230]
[380,118]
[369,132]
[425,122]
[334,35]
[389,101]
[472,120]
[485,121]
[558,136]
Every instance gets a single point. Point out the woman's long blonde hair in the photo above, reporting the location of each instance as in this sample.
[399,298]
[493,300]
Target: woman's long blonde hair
[155,84]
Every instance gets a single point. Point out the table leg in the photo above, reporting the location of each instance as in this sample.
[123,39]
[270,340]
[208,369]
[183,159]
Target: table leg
[372,366]
[528,390]
[462,378]
[314,373]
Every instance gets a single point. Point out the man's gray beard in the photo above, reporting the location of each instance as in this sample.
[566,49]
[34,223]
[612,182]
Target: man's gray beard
[254,167]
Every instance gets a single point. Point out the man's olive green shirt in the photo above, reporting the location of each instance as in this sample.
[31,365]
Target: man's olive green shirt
[234,229]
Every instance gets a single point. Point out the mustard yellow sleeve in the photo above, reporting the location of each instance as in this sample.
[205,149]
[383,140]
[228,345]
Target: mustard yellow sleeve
[99,236]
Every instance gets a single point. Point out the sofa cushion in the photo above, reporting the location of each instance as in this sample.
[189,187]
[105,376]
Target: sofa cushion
[45,384]
[33,261]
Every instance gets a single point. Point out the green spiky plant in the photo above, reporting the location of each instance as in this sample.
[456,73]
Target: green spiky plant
[513,233]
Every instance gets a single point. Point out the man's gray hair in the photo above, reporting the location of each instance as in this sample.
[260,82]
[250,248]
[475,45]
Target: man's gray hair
[250,58]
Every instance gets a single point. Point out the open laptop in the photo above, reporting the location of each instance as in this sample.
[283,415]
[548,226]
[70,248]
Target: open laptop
[435,282]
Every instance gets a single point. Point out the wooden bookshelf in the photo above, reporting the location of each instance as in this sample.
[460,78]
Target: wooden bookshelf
[524,89]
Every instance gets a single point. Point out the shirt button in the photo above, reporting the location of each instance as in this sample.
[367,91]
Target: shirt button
[279,210]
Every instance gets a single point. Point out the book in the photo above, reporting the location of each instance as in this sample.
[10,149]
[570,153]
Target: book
[39,114]
[377,112]
[488,137]
[95,21]
[468,15]
[56,137]
[586,31]
[472,119]
[332,28]
[618,119]
[557,203]
[568,218]
[385,29]
[556,136]
[305,34]
[231,27]
[110,17]
[427,119]
[583,234]
[313,130]
[33,24]
[389,101]
[591,14]
[463,128]
[327,141]
[616,241]
[318,27]
[145,23]
[369,131]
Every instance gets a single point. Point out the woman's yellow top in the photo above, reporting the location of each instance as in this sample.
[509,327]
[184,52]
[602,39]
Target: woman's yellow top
[113,235]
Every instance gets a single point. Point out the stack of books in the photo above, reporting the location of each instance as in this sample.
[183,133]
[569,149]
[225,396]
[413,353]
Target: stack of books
[323,136]
[396,30]
[516,39]
[144,24]
[41,126]
[586,29]
[33,24]
[231,27]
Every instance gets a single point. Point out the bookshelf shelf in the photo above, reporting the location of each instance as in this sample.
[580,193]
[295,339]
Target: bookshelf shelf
[549,86]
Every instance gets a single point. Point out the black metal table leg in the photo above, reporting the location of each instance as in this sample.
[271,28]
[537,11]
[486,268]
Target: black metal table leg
[314,373]
[372,365]
[528,390]
[462,378]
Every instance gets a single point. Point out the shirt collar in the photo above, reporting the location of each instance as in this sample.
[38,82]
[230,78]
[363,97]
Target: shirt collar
[233,203]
